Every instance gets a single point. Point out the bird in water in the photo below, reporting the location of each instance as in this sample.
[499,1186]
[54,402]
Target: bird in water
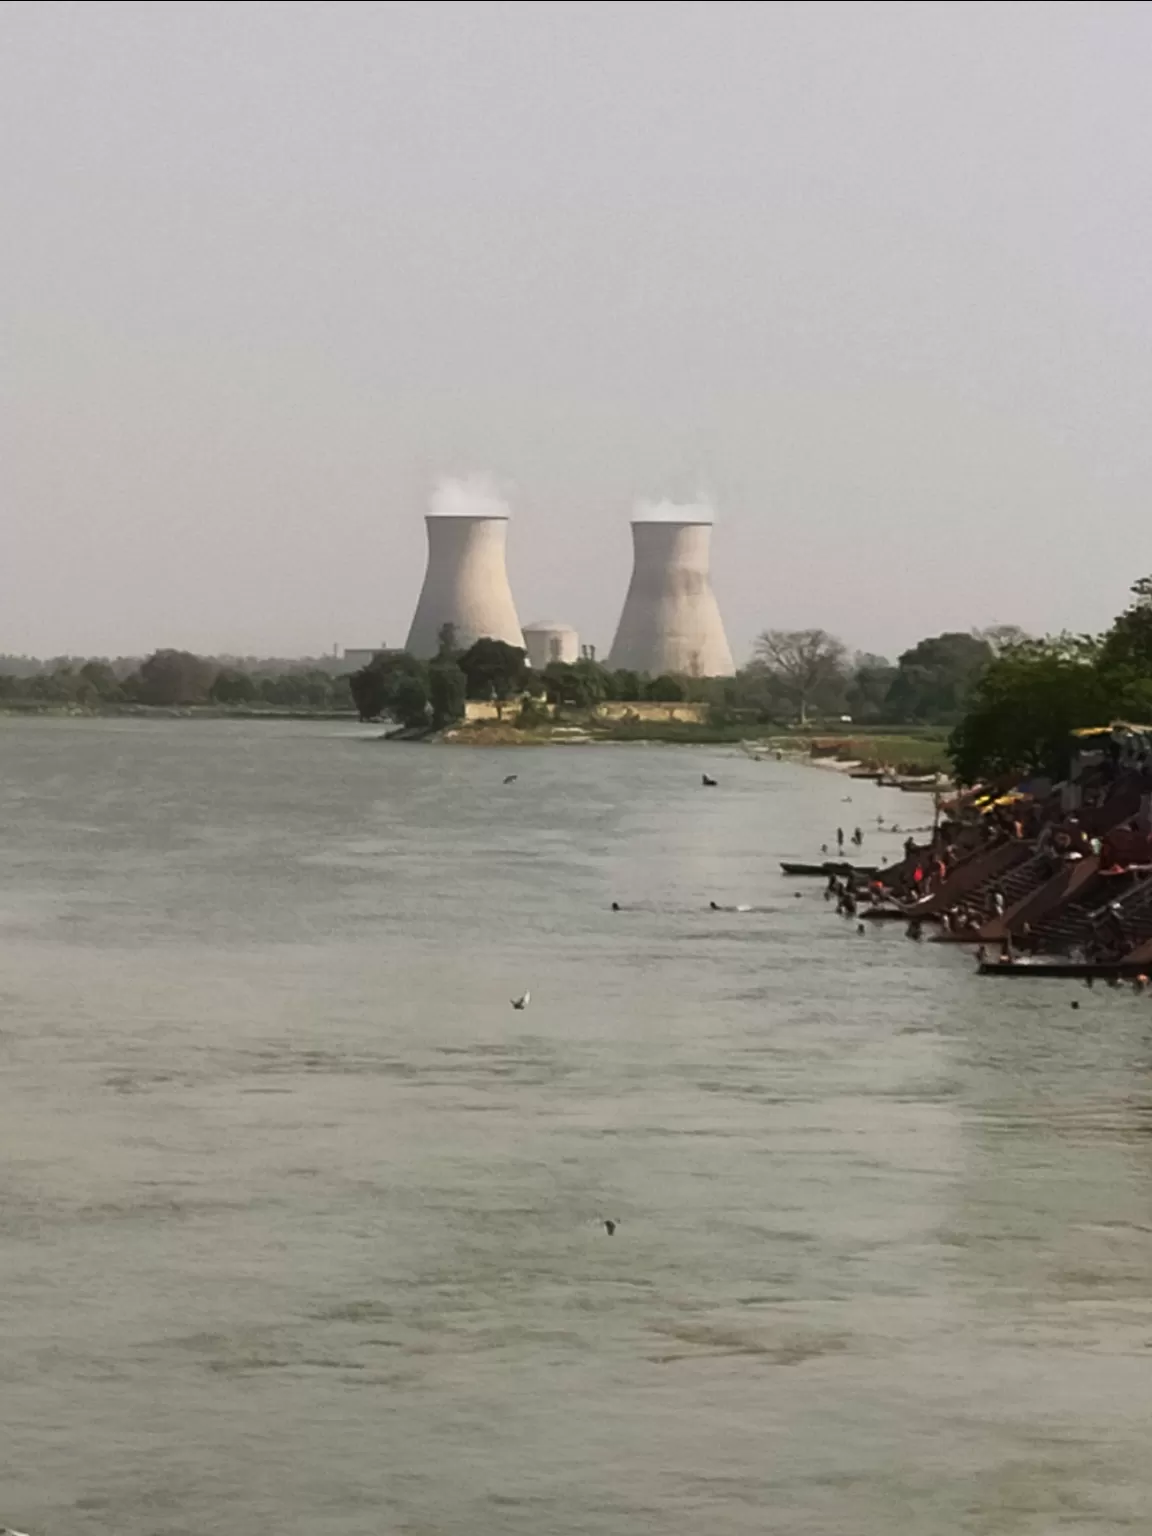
[711,783]
[1075,1004]
[610,1225]
[860,928]
[615,906]
[520,1003]
[715,905]
[510,778]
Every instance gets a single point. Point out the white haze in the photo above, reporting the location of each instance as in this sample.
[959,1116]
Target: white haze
[473,496]
[673,512]
[876,275]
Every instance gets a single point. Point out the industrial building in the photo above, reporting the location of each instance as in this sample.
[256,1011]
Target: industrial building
[671,622]
[465,584]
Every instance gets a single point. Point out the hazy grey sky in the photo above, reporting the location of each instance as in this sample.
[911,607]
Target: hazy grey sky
[874,277]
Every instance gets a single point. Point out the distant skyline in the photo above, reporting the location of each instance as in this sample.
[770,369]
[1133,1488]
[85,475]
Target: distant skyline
[868,279]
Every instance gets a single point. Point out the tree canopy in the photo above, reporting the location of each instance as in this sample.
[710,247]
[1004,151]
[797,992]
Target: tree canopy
[807,667]
[376,687]
[494,669]
[933,679]
[1030,697]
[447,690]
[175,677]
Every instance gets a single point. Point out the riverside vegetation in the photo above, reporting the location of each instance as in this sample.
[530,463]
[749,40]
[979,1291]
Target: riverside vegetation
[989,703]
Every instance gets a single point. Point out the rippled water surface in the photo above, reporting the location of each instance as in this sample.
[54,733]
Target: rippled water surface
[300,1222]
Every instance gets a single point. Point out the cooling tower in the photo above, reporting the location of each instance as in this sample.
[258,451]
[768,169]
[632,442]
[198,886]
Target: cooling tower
[670,621]
[466,585]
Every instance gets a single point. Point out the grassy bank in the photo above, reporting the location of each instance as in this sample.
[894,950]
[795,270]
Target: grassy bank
[921,752]
[905,752]
[489,733]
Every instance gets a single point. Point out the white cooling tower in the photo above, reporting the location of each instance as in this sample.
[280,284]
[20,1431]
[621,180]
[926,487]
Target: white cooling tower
[670,621]
[466,585]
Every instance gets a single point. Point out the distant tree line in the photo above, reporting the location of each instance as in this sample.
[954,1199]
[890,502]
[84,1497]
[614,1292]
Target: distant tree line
[175,678]
[795,676]
[808,675]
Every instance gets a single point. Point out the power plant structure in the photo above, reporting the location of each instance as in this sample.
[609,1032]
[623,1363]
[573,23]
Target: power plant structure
[548,641]
[465,584]
[671,622]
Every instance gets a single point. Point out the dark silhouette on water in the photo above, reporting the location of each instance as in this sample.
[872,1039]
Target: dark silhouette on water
[520,1003]
[711,783]
[615,906]
[610,1225]
[510,778]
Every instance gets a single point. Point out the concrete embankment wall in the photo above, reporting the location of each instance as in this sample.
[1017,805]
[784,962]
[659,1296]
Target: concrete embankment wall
[615,709]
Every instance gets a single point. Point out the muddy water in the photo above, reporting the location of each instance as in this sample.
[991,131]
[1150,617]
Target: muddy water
[300,1222]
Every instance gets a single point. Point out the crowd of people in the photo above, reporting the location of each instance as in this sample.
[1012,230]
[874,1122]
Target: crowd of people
[1101,811]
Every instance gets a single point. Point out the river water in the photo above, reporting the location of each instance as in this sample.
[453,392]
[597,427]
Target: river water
[300,1221]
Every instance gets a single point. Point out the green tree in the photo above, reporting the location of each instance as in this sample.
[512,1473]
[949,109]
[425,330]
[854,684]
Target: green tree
[934,678]
[1028,701]
[62,685]
[103,682]
[665,689]
[409,702]
[232,686]
[373,688]
[1129,642]
[627,685]
[446,641]
[447,690]
[494,669]
[808,667]
[867,691]
[175,677]
[576,685]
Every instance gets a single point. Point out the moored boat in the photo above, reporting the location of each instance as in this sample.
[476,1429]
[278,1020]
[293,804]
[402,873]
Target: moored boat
[828,867]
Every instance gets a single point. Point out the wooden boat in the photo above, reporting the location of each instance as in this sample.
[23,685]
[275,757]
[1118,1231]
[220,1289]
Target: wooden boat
[1059,970]
[829,867]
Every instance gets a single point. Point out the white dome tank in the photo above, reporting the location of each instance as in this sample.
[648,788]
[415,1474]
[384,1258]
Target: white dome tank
[548,641]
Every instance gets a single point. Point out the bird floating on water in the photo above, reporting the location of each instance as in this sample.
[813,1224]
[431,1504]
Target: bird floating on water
[510,778]
[520,1003]
[711,783]
[615,906]
[610,1225]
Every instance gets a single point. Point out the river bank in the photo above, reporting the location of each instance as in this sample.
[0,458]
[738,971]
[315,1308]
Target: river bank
[900,754]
